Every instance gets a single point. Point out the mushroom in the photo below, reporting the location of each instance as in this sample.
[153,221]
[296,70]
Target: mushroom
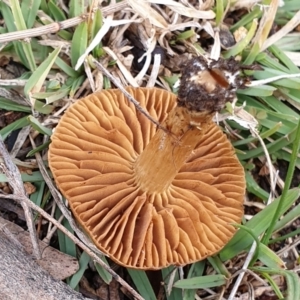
[151,197]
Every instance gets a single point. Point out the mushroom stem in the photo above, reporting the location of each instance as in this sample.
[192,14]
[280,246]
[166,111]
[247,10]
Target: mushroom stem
[163,157]
[205,86]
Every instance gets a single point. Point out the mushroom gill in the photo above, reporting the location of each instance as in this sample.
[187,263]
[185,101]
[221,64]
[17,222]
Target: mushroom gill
[146,197]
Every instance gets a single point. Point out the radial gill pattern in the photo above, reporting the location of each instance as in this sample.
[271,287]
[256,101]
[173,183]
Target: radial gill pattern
[92,154]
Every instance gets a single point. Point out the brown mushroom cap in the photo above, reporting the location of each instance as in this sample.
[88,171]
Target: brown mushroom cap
[92,157]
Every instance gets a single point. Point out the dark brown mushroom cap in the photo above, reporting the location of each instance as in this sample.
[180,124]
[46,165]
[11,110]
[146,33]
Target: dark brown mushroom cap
[92,154]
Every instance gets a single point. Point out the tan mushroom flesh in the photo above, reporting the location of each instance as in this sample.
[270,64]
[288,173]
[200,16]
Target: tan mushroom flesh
[147,197]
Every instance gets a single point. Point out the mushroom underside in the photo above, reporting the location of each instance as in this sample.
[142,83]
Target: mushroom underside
[92,157]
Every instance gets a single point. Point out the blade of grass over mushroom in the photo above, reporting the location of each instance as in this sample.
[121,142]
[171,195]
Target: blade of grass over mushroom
[83,262]
[106,277]
[142,283]
[203,282]
[38,126]
[29,10]
[36,80]
[171,293]
[196,270]
[7,130]
[242,44]
[258,224]
[287,184]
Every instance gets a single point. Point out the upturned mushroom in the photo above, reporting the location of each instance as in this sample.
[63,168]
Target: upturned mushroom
[149,197]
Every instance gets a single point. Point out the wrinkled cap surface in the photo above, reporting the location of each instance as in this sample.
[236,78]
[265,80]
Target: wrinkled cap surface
[92,154]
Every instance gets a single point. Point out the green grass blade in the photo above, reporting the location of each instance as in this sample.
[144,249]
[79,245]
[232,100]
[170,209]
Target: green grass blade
[273,147]
[283,58]
[289,217]
[29,11]
[196,270]
[83,262]
[219,12]
[37,196]
[258,91]
[43,108]
[35,176]
[13,106]
[247,18]
[258,224]
[76,84]
[79,42]
[38,126]
[254,188]
[38,149]
[176,294]
[66,68]
[292,280]
[203,282]
[242,44]
[142,284]
[21,25]
[106,277]
[7,130]
[17,14]
[76,8]
[56,12]
[269,258]
[36,80]
[287,184]
[51,97]
[293,286]
[9,22]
